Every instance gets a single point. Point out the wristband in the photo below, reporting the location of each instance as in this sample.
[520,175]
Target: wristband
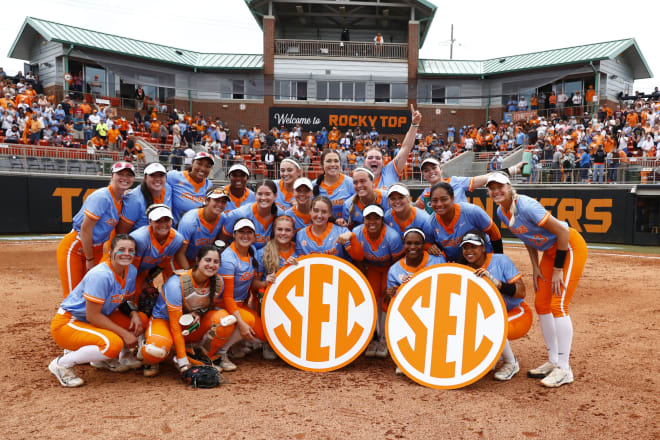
[505,171]
[414,125]
[508,289]
[560,258]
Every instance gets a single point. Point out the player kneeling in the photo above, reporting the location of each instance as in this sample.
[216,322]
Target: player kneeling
[501,271]
[95,323]
[186,315]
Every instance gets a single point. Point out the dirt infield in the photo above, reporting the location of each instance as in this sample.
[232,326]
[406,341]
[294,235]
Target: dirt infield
[615,393]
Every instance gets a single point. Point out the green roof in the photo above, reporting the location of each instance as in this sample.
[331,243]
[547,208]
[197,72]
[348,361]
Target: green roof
[87,38]
[549,58]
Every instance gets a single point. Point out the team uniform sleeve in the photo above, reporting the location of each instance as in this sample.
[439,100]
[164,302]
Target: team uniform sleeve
[428,230]
[230,220]
[130,212]
[96,205]
[510,272]
[395,243]
[97,287]
[186,226]
[533,210]
[392,279]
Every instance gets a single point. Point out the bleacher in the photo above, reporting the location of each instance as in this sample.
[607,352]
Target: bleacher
[57,160]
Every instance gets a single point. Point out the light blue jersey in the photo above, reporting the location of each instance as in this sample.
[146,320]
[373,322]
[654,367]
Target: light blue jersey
[338,193]
[150,253]
[386,249]
[400,270]
[528,225]
[263,227]
[502,268]
[460,185]
[352,212]
[197,231]
[101,206]
[418,219]
[186,193]
[389,175]
[135,206]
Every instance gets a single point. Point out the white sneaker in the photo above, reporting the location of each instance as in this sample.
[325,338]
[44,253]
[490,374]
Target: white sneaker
[381,349]
[371,349]
[557,378]
[542,371]
[507,370]
[128,359]
[150,370]
[113,365]
[268,352]
[226,364]
[66,376]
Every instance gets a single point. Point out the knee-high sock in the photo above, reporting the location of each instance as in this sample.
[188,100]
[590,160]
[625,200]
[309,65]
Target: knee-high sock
[547,322]
[564,330]
[234,338]
[507,353]
[380,325]
[84,355]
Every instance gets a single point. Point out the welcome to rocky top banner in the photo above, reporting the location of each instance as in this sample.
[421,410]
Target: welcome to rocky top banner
[315,118]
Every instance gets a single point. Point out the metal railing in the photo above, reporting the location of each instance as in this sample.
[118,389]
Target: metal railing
[636,171]
[336,49]
[40,151]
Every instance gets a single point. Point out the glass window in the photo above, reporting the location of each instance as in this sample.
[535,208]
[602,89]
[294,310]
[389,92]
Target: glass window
[321,90]
[333,94]
[360,91]
[399,92]
[346,91]
[438,94]
[254,89]
[301,90]
[382,92]
[453,93]
[238,89]
[111,84]
[95,81]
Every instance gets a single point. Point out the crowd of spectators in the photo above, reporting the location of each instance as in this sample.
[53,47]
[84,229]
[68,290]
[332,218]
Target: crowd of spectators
[596,146]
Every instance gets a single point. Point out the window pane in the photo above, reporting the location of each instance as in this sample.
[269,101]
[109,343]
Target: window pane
[360,91]
[346,91]
[254,89]
[453,93]
[238,88]
[399,92]
[321,90]
[111,84]
[94,80]
[382,92]
[301,87]
[438,94]
[334,90]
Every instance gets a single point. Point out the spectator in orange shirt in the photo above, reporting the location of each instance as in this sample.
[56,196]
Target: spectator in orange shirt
[333,136]
[113,135]
[589,98]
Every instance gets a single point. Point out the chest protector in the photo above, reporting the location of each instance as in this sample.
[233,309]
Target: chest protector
[193,299]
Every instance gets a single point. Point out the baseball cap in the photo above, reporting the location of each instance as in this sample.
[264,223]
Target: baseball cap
[204,155]
[238,167]
[399,189]
[123,166]
[154,168]
[217,193]
[373,209]
[158,211]
[430,160]
[472,239]
[499,178]
[303,181]
[244,223]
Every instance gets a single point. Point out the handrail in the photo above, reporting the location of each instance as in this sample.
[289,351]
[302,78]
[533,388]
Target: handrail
[346,49]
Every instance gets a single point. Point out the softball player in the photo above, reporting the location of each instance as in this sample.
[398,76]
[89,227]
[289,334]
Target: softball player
[164,329]
[324,237]
[365,194]
[239,193]
[402,214]
[82,248]
[189,188]
[279,251]
[200,227]
[157,245]
[290,170]
[388,175]
[262,213]
[153,189]
[381,246]
[95,323]
[501,271]
[555,277]
[300,211]
[238,269]
[432,173]
[337,187]
[452,220]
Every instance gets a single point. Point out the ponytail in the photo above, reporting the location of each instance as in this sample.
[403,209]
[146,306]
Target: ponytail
[514,209]
[317,184]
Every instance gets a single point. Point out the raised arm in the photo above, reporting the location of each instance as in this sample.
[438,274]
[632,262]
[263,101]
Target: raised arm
[409,140]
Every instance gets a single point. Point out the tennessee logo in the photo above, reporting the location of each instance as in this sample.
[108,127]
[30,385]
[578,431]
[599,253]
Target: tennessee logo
[446,328]
[319,315]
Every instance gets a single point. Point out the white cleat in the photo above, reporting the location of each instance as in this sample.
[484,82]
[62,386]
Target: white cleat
[507,370]
[557,378]
[66,376]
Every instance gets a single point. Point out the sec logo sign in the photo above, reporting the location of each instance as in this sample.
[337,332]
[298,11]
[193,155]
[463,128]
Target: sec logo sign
[320,314]
[446,328]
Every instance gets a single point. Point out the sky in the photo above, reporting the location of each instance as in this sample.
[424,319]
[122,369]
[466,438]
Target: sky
[482,29]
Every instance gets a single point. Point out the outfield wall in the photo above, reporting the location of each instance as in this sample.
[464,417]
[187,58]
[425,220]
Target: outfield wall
[47,203]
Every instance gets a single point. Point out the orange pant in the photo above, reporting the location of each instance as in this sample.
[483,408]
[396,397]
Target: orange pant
[377,278]
[576,258]
[520,321]
[251,318]
[159,333]
[71,261]
[71,334]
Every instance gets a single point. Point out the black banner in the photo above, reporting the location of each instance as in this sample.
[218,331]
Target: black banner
[314,118]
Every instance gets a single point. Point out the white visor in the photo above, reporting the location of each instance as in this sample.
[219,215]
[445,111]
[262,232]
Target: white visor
[239,167]
[303,181]
[399,189]
[373,209]
[244,223]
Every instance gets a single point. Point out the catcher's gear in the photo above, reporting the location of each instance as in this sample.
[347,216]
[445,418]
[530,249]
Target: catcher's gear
[202,376]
